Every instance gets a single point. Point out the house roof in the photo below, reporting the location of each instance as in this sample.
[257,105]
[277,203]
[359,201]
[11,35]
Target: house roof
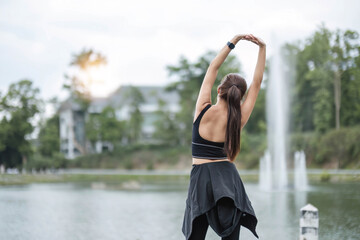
[69,104]
[120,97]
[151,95]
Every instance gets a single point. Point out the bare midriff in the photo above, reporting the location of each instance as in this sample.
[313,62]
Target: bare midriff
[197,161]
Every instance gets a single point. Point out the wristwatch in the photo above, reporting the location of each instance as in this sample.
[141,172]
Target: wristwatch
[231,45]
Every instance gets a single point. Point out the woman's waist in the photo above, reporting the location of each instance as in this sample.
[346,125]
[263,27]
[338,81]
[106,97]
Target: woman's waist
[198,161]
[209,153]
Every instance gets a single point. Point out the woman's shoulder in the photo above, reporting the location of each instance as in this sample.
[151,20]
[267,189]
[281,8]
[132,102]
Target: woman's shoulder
[201,110]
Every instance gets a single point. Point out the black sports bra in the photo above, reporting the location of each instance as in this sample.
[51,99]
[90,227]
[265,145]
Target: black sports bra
[202,148]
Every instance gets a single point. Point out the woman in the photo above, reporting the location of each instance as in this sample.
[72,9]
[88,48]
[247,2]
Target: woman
[216,195]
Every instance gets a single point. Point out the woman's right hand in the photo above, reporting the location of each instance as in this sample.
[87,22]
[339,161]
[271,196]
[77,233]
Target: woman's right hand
[258,41]
[238,37]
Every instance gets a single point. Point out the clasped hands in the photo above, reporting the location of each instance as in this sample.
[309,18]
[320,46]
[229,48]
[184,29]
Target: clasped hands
[249,37]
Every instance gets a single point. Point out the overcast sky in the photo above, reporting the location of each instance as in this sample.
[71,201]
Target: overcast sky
[139,38]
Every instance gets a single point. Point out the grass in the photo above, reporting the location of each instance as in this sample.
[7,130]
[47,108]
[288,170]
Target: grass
[16,179]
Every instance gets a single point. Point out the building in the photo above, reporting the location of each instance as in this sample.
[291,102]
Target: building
[72,119]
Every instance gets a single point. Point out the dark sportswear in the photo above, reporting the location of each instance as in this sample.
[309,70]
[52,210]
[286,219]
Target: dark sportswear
[216,189]
[210,182]
[202,148]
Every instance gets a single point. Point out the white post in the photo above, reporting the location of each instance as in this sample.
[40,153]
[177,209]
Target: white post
[309,223]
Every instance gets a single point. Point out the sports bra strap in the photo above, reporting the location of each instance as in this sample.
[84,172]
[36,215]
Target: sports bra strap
[202,113]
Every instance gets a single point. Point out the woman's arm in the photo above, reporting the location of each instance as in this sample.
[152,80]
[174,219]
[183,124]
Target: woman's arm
[249,103]
[204,96]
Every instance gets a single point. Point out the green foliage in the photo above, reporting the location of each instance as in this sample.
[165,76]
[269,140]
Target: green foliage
[111,128]
[325,176]
[306,141]
[93,128]
[104,127]
[340,146]
[323,107]
[326,69]
[350,95]
[39,162]
[135,156]
[252,148]
[49,137]
[257,121]
[336,148]
[134,125]
[327,81]
[19,107]
[187,85]
[166,129]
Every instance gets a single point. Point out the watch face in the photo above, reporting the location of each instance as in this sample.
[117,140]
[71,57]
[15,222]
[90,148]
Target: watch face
[231,45]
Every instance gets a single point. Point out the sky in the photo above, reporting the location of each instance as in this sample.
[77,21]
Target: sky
[38,38]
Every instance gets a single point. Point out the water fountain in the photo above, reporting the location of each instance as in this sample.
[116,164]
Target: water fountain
[273,165]
[300,177]
[265,171]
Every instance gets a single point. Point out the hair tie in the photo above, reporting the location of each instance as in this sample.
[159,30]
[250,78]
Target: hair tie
[235,85]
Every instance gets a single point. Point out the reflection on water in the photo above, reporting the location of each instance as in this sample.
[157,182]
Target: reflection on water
[155,211]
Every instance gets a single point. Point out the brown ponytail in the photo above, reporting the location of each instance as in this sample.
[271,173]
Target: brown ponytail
[232,89]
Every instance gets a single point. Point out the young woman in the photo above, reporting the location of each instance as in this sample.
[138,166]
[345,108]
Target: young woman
[216,195]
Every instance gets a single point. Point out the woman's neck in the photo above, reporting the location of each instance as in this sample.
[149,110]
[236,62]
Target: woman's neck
[221,103]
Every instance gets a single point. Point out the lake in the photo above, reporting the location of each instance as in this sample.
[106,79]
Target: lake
[154,210]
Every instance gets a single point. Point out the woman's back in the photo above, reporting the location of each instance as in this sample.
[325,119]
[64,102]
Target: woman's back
[212,126]
[208,135]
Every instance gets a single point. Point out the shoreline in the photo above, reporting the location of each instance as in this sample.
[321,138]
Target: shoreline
[121,175]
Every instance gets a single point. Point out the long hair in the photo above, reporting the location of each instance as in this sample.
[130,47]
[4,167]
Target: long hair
[232,89]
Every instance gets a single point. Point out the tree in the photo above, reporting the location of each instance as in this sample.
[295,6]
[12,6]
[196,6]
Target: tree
[134,124]
[19,107]
[166,129]
[105,127]
[322,63]
[79,88]
[350,93]
[49,137]
[257,121]
[187,85]
[319,77]
[112,129]
[93,128]
[345,47]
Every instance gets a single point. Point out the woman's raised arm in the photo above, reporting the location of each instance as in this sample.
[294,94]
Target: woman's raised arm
[204,96]
[249,103]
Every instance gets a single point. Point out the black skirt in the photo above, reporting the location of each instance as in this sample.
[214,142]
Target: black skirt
[209,182]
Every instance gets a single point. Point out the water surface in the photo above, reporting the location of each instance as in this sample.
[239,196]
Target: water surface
[154,211]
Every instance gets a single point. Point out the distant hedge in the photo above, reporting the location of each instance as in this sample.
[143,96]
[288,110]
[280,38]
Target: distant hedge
[333,149]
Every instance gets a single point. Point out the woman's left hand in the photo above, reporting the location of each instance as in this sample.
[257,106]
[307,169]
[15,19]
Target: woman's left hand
[239,37]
